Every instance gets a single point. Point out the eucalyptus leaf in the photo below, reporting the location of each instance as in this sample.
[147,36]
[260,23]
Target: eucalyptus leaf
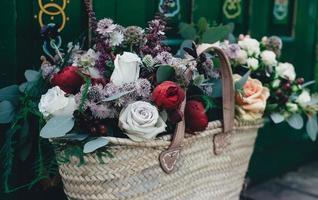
[31,75]
[240,83]
[187,31]
[312,127]
[295,121]
[7,112]
[10,93]
[165,73]
[117,96]
[95,144]
[308,83]
[75,136]
[277,118]
[57,126]
[214,34]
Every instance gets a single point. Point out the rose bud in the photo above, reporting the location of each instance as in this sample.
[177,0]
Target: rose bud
[168,95]
[69,80]
[195,117]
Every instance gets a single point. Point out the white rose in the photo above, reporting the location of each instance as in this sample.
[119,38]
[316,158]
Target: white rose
[268,58]
[292,107]
[250,45]
[252,63]
[141,121]
[55,103]
[127,67]
[304,98]
[286,71]
[241,57]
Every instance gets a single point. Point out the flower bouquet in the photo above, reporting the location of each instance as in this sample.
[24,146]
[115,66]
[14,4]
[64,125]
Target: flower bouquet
[127,119]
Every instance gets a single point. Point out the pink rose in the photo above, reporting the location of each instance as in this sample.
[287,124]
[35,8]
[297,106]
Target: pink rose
[251,102]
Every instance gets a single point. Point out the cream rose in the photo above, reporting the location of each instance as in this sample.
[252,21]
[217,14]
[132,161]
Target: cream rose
[55,103]
[251,46]
[286,71]
[141,121]
[127,68]
[251,102]
[241,57]
[268,58]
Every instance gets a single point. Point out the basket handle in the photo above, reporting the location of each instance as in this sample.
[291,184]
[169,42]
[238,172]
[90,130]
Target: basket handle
[169,157]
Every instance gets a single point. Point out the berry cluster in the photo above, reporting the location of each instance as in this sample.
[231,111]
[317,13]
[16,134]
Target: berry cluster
[85,121]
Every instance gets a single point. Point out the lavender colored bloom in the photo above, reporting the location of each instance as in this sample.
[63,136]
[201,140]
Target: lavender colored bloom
[143,88]
[231,50]
[102,111]
[164,58]
[105,27]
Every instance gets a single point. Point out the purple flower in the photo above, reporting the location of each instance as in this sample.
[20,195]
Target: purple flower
[231,50]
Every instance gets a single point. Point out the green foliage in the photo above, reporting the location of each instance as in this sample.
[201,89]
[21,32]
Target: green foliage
[214,34]
[84,94]
[10,93]
[296,121]
[57,126]
[7,112]
[240,83]
[312,127]
[165,73]
[203,32]
[95,144]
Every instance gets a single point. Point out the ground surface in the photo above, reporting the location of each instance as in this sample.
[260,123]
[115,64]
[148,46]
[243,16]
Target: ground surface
[298,185]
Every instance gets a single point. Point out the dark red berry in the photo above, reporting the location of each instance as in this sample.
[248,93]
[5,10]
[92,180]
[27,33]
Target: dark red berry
[102,129]
[279,92]
[287,86]
[300,81]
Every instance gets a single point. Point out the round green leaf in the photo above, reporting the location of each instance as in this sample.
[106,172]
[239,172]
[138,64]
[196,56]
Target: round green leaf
[95,144]
[165,73]
[57,127]
[10,93]
[6,112]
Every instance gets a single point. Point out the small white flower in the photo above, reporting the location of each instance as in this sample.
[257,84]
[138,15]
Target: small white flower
[55,103]
[127,68]
[241,57]
[116,38]
[250,45]
[252,63]
[286,71]
[141,121]
[292,107]
[304,98]
[268,58]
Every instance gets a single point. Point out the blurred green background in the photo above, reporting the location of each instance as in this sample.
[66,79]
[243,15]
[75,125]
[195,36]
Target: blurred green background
[278,149]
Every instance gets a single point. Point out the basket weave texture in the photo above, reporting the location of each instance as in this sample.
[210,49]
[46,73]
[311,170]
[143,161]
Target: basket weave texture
[134,172]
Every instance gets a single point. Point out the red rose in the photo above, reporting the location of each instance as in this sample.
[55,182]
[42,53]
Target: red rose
[168,95]
[195,117]
[68,80]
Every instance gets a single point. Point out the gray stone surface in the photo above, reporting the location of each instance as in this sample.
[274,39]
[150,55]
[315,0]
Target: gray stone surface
[298,185]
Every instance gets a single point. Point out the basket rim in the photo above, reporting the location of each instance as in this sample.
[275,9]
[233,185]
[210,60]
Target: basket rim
[214,127]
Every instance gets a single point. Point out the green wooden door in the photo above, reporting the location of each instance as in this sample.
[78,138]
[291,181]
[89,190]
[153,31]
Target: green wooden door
[281,148]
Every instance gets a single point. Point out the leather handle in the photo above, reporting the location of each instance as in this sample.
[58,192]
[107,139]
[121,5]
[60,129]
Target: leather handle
[168,158]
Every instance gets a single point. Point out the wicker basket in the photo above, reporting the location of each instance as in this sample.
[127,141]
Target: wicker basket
[209,165]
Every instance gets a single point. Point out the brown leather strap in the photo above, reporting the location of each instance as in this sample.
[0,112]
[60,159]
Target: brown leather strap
[168,158]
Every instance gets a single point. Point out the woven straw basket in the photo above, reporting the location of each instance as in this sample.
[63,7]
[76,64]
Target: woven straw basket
[210,165]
